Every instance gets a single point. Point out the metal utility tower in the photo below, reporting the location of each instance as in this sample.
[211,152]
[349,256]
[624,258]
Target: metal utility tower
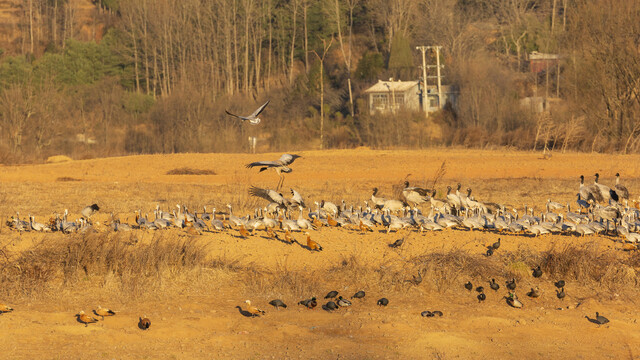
[425,99]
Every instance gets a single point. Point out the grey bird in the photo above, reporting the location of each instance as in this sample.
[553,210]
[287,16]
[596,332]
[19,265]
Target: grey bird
[280,166]
[253,119]
[330,306]
[88,211]
[331,294]
[277,303]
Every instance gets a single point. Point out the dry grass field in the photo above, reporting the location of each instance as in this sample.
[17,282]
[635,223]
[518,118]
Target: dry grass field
[189,285]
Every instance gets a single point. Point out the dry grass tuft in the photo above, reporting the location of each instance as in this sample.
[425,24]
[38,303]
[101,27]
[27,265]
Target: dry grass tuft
[66,178]
[98,257]
[190,171]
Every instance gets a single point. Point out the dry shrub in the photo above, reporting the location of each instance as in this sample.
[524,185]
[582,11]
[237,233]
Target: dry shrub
[66,178]
[190,171]
[590,264]
[444,269]
[67,261]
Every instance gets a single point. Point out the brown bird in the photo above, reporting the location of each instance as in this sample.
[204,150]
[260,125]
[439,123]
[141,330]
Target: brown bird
[85,319]
[144,323]
[103,312]
[4,308]
[271,234]
[317,223]
[243,232]
[288,237]
[312,245]
[254,311]
[363,227]
[331,221]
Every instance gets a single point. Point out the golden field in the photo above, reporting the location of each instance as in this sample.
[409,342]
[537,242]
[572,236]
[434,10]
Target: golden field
[191,298]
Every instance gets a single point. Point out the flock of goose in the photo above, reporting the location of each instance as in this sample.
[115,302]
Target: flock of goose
[600,209]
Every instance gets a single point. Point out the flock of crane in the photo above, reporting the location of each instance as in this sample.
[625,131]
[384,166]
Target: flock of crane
[600,209]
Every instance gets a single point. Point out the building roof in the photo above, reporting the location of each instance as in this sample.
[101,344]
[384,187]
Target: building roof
[401,86]
[542,56]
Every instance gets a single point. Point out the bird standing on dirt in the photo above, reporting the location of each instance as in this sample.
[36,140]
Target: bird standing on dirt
[312,245]
[253,119]
[537,272]
[4,308]
[331,294]
[494,285]
[343,302]
[103,312]
[85,319]
[559,284]
[88,211]
[560,294]
[534,293]
[281,166]
[277,303]
[383,302]
[396,243]
[511,285]
[309,303]
[359,295]
[496,244]
[254,311]
[513,301]
[330,306]
[468,286]
[144,323]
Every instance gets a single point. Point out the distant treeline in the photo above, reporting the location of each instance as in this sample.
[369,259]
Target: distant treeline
[164,71]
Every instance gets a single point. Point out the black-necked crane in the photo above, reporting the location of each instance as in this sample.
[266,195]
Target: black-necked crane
[281,166]
[377,201]
[415,195]
[605,192]
[620,189]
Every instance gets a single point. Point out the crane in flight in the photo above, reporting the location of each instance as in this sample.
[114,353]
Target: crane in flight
[253,119]
[281,166]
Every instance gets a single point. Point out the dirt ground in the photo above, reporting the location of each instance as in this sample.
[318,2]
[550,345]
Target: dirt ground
[194,315]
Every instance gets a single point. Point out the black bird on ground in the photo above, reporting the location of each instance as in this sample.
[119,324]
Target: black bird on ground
[330,306]
[383,302]
[494,285]
[599,319]
[437,313]
[537,272]
[397,243]
[480,289]
[331,294]
[482,297]
[309,303]
[489,251]
[560,294]
[496,244]
[359,295]
[278,303]
[560,284]
[426,313]
[468,286]
[511,285]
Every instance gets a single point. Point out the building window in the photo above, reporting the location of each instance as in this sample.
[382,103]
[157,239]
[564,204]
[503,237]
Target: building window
[379,101]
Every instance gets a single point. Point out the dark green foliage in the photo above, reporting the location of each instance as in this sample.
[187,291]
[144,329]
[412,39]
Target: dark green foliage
[401,58]
[371,64]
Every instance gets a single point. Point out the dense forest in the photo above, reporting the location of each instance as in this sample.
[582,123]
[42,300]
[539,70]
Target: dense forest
[160,73]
